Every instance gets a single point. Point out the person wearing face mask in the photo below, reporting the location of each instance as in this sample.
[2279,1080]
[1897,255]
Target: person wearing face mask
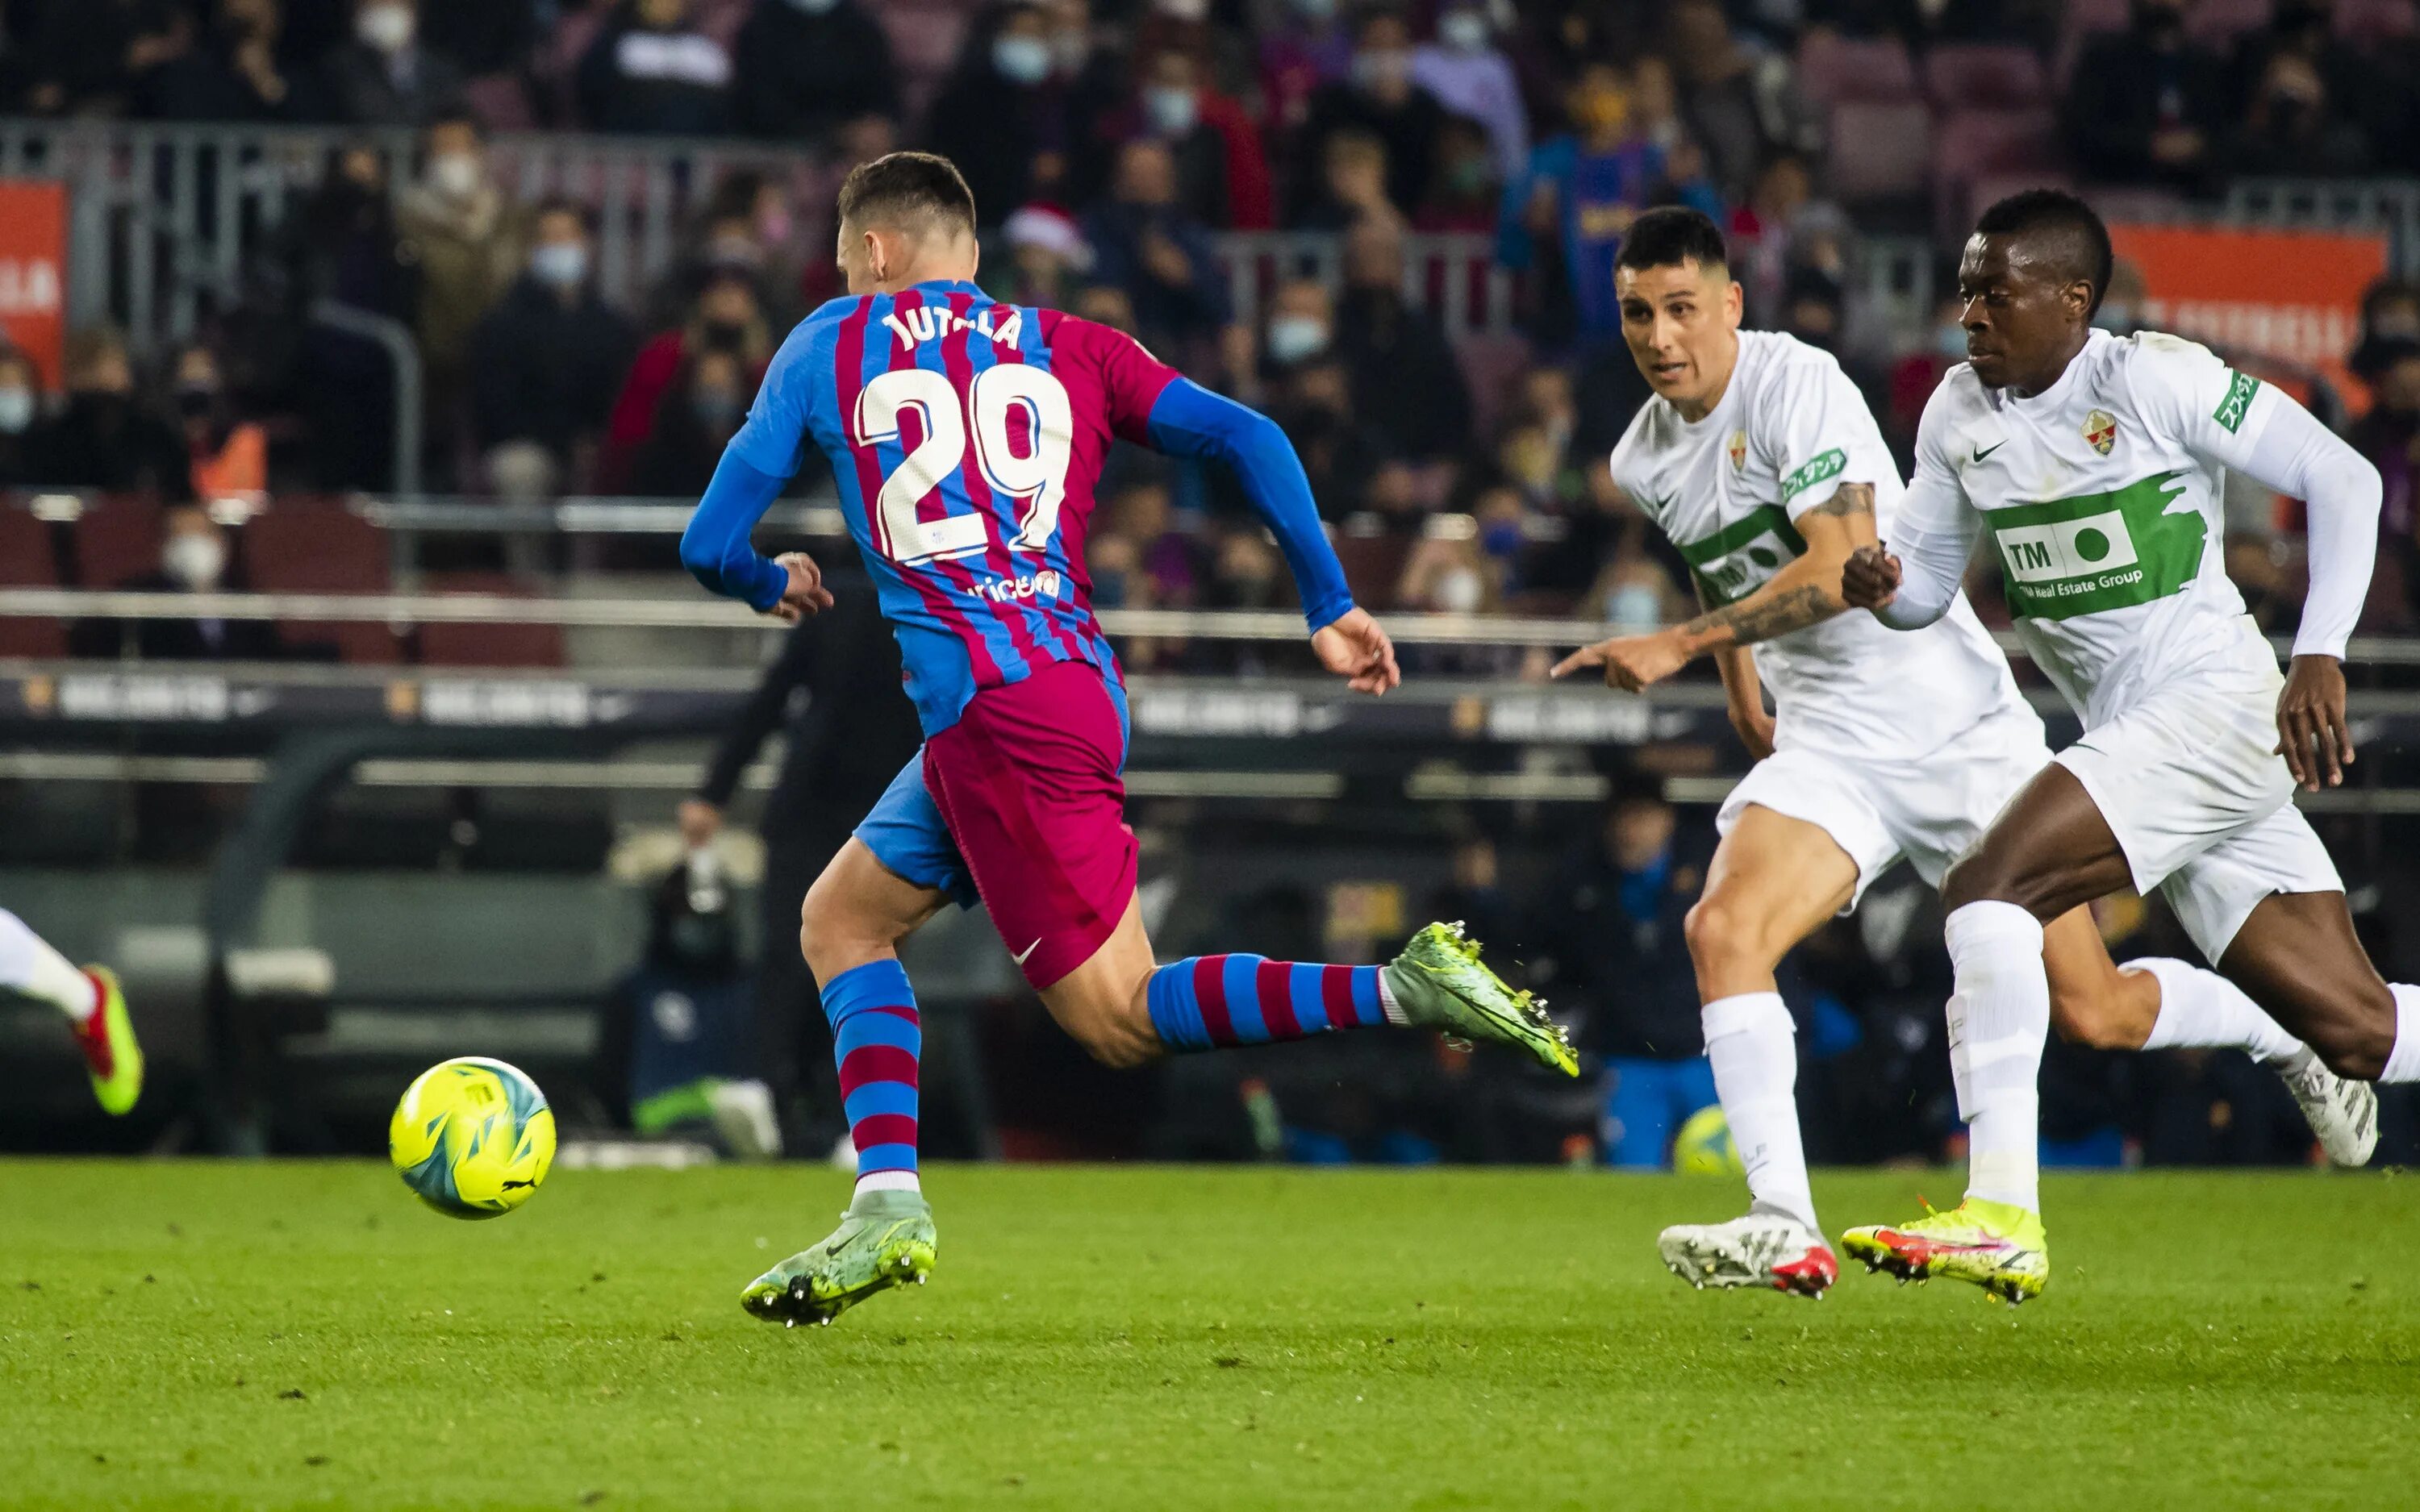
[230,455]
[1301,324]
[385,75]
[469,241]
[1144,242]
[1379,96]
[546,361]
[1016,115]
[803,67]
[1470,77]
[725,317]
[2145,105]
[1169,108]
[194,559]
[104,436]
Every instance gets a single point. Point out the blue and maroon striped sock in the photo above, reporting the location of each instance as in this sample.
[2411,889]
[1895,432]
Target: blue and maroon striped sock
[1210,1002]
[876,1040]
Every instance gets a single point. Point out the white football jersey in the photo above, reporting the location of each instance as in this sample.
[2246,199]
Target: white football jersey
[1728,489]
[2105,496]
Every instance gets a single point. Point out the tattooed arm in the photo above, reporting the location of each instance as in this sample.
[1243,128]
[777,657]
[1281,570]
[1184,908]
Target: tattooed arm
[1744,695]
[1804,593]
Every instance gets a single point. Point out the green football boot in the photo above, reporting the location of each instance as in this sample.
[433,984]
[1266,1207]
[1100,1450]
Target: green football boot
[1440,984]
[107,1041]
[884,1240]
[2001,1248]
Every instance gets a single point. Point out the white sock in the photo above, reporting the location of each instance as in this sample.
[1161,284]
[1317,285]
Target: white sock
[1754,1048]
[1996,951]
[2403,1061]
[890,1181]
[2203,1009]
[29,965]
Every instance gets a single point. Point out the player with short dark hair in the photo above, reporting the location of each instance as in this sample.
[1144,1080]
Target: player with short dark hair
[1759,458]
[2096,462]
[967,437]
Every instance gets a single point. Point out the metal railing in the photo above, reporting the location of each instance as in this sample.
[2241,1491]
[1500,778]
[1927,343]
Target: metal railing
[702,613]
[166,220]
[2391,204]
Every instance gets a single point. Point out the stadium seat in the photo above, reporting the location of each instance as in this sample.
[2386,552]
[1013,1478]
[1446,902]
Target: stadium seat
[1833,68]
[26,560]
[1968,75]
[2216,23]
[116,538]
[312,548]
[1974,145]
[1879,150]
[487,646]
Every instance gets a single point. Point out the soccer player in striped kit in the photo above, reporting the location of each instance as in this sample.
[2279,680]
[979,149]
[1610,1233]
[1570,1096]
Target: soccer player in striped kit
[966,437]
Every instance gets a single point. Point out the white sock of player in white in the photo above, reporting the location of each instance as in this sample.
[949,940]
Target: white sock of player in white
[1754,1048]
[29,965]
[2403,1061]
[1995,949]
[2203,1009]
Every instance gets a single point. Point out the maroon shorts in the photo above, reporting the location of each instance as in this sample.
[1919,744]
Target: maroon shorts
[1029,782]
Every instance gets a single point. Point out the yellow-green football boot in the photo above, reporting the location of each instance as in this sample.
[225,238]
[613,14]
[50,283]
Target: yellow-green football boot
[884,1240]
[1440,984]
[107,1039]
[2001,1248]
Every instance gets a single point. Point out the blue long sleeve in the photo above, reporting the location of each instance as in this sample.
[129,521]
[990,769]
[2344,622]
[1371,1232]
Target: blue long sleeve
[715,547]
[1188,420]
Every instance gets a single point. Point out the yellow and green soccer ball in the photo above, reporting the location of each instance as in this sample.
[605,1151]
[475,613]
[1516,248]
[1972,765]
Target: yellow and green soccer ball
[472,1136]
[1704,1147]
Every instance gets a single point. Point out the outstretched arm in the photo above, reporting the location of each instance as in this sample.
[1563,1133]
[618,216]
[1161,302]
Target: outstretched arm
[1804,593]
[1188,420]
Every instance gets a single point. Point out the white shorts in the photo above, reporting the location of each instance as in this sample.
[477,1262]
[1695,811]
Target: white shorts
[2189,782]
[1929,809]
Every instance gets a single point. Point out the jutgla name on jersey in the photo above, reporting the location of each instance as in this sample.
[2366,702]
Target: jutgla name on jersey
[1044,584]
[926,323]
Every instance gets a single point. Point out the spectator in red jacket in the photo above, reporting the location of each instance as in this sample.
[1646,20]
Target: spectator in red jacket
[726,317]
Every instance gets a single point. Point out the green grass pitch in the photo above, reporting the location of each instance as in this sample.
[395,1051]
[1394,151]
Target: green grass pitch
[181,1335]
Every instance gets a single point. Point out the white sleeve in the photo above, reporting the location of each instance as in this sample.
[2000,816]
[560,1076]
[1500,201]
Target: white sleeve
[1932,532]
[2300,457]
[1820,436]
[2234,419]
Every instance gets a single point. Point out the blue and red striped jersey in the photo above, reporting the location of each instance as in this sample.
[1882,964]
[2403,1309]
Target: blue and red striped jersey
[967,437]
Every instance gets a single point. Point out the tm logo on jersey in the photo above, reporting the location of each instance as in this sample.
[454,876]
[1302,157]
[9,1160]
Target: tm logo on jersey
[2099,551]
[1044,584]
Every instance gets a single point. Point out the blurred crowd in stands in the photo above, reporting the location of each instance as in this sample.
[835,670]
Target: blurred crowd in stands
[1109,146]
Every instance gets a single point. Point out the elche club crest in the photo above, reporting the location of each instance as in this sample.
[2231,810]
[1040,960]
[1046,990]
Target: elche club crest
[1738,450]
[2100,429]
